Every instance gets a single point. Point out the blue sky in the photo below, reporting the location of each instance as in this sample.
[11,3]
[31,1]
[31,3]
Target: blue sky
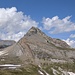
[54,17]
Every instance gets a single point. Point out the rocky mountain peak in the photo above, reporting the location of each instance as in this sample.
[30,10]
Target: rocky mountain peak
[37,52]
[35,33]
[34,30]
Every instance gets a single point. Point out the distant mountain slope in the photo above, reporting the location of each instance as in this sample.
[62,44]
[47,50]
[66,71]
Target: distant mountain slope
[6,43]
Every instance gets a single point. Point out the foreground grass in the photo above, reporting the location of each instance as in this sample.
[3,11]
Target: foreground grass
[32,70]
[68,67]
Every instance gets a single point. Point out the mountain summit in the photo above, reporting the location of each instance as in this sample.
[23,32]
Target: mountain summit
[34,30]
[37,32]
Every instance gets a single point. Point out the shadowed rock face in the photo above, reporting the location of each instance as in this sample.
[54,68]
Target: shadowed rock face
[36,48]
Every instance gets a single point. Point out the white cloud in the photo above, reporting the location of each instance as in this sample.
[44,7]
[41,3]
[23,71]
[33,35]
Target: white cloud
[14,24]
[72,36]
[56,25]
[70,42]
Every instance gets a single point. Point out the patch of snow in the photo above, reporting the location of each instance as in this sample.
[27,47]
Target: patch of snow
[57,60]
[9,65]
[55,72]
[12,67]
[40,72]
[71,73]
[39,66]
[65,72]
[1,53]
[43,70]
[46,72]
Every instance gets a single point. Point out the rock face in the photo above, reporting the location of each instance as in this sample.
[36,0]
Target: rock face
[37,54]
[39,33]
[37,48]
